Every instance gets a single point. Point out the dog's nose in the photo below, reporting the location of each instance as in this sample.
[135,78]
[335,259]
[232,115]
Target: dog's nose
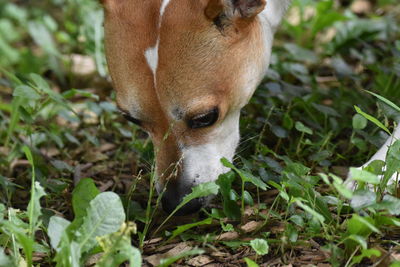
[171,199]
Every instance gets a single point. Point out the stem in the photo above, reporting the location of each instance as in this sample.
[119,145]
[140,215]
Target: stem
[299,143]
[148,211]
[15,249]
[242,207]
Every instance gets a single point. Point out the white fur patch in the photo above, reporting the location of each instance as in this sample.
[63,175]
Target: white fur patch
[274,12]
[270,18]
[151,53]
[163,7]
[380,155]
[202,163]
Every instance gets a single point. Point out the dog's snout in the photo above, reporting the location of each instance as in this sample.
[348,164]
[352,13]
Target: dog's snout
[171,200]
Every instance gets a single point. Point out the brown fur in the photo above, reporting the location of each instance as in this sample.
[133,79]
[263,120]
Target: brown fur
[199,68]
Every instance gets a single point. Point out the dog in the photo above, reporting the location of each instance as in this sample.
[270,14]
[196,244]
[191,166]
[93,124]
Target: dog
[183,70]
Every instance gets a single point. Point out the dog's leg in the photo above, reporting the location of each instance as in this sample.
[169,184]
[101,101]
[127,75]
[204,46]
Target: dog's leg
[380,155]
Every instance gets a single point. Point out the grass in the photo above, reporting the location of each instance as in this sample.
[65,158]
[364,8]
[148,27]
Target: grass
[328,102]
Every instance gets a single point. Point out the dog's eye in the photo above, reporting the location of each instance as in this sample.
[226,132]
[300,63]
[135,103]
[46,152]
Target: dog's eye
[204,120]
[132,119]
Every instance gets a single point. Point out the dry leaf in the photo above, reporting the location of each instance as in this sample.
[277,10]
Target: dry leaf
[361,7]
[200,260]
[82,65]
[178,249]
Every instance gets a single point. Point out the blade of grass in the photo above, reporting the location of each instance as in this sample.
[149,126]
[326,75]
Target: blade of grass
[29,156]
[372,119]
[384,100]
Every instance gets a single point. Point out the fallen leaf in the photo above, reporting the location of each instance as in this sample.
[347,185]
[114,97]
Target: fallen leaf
[200,260]
[251,226]
[107,147]
[82,65]
[176,250]
[94,156]
[361,7]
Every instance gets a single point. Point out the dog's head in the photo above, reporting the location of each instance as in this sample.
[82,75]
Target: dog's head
[183,69]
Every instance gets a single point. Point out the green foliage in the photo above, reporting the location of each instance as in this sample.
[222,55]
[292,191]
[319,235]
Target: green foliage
[333,71]
[118,249]
[260,246]
[250,263]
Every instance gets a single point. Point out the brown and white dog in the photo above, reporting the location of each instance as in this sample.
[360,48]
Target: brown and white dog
[183,70]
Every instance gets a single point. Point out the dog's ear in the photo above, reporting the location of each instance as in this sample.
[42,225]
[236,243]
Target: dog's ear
[234,9]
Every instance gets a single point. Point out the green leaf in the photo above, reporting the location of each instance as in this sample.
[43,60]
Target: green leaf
[364,176]
[42,37]
[23,239]
[372,119]
[74,92]
[83,193]
[202,190]
[387,220]
[291,233]
[245,176]
[324,178]
[391,204]
[362,199]
[312,212]
[40,83]
[15,117]
[288,122]
[105,215]
[260,246]
[69,254]
[183,228]
[230,207]
[302,128]
[384,100]
[327,19]
[34,208]
[227,228]
[343,190]
[392,164]
[301,54]
[118,249]
[297,219]
[359,122]
[360,240]
[57,226]
[296,168]
[250,263]
[248,199]
[360,225]
[318,203]
[26,92]
[366,253]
